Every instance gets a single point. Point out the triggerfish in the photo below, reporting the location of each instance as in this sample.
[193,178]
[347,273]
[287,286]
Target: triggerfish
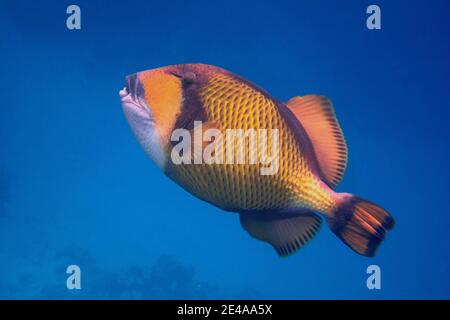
[281,201]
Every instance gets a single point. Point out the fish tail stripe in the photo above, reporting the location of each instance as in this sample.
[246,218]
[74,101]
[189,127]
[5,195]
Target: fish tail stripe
[361,225]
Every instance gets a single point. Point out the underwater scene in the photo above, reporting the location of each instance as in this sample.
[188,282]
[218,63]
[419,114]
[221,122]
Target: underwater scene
[94,206]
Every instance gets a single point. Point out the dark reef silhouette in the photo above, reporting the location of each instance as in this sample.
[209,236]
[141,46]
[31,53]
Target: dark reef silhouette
[166,278]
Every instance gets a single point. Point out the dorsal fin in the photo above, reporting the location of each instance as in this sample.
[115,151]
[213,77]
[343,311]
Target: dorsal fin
[317,116]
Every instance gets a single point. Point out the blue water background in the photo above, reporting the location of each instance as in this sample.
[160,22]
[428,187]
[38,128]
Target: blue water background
[76,188]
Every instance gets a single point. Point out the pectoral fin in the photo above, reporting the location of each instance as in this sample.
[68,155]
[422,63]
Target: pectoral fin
[286,234]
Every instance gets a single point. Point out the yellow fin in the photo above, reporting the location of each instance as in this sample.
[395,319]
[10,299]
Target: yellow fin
[317,116]
[285,234]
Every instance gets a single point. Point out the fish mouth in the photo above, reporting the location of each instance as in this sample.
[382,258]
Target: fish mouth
[123,93]
[132,95]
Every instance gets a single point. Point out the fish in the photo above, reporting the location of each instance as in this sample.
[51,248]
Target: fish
[283,201]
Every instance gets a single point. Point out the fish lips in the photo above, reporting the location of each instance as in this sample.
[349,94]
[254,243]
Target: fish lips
[134,105]
[134,86]
[132,95]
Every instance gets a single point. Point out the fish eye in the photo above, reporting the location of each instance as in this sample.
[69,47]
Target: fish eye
[189,77]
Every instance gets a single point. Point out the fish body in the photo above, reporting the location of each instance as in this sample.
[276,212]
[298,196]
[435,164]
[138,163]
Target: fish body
[278,200]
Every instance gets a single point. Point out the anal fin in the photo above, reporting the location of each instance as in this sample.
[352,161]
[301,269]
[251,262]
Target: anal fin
[286,233]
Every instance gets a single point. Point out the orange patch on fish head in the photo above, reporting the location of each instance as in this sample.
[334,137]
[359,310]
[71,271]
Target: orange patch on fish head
[163,94]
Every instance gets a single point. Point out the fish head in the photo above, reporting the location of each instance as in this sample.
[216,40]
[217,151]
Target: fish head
[153,100]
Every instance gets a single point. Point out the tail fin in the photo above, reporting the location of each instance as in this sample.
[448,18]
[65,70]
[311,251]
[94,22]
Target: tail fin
[360,224]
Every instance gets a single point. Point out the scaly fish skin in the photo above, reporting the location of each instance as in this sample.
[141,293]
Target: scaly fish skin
[233,104]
